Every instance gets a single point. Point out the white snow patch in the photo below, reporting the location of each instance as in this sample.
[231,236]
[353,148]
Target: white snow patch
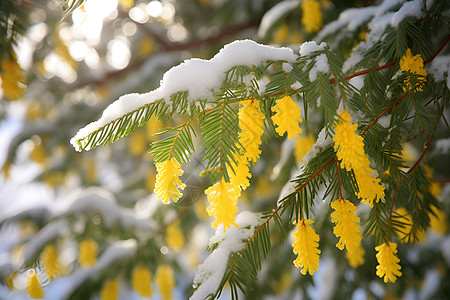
[63,287]
[320,66]
[353,18]
[440,69]
[209,274]
[322,142]
[287,147]
[296,85]
[287,67]
[430,285]
[411,8]
[443,145]
[357,82]
[196,76]
[309,47]
[274,14]
[445,249]
[385,121]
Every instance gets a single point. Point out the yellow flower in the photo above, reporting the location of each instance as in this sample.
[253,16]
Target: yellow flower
[34,110]
[438,222]
[13,81]
[356,258]
[306,246]
[287,117]
[349,148]
[63,52]
[311,15]
[126,4]
[302,145]
[145,47]
[174,236]
[110,290]
[407,223]
[369,188]
[50,262]
[413,65]
[38,154]
[167,181]
[223,197]
[346,228]
[88,253]
[241,173]
[138,143]
[153,126]
[281,35]
[251,125]
[141,281]
[34,289]
[388,262]
[166,281]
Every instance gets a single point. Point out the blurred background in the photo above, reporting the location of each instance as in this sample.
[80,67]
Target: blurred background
[67,61]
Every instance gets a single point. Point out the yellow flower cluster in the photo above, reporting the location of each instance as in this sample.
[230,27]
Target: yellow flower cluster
[126,4]
[251,125]
[306,246]
[311,15]
[223,197]
[349,149]
[174,236]
[405,231]
[388,262]
[87,253]
[346,227]
[438,222]
[165,281]
[302,145]
[167,181]
[240,174]
[413,65]
[356,258]
[50,262]
[110,290]
[34,289]
[287,117]
[13,80]
[141,281]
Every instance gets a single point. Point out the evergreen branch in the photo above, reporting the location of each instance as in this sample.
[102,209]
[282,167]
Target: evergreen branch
[121,126]
[433,56]
[427,145]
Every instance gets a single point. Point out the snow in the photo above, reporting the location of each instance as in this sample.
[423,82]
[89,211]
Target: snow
[287,67]
[196,76]
[209,274]
[380,18]
[353,18]
[320,66]
[43,237]
[308,47]
[412,8]
[445,249]
[322,142]
[439,68]
[63,287]
[443,145]
[96,200]
[287,147]
[274,14]
[430,285]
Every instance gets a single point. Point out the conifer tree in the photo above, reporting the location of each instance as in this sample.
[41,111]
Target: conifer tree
[259,147]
